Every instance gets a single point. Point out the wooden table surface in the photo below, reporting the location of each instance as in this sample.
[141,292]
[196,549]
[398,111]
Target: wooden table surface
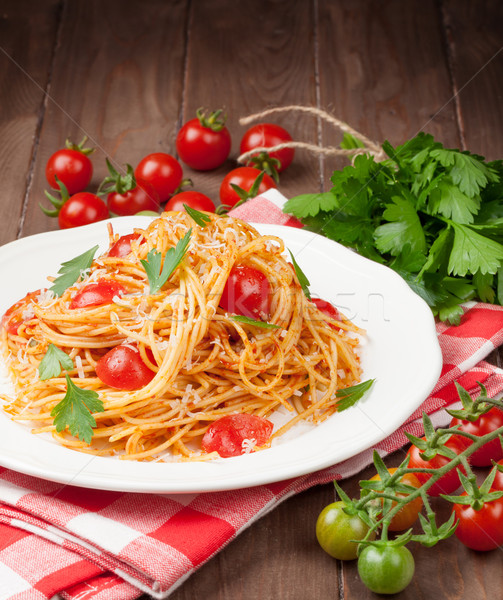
[128,74]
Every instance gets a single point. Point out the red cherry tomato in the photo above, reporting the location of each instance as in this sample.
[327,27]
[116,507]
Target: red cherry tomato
[193,199]
[70,166]
[122,246]
[141,197]
[13,316]
[450,481]
[484,424]
[480,529]
[81,209]
[247,292]
[204,143]
[327,308]
[96,294]
[162,171]
[267,135]
[498,480]
[122,368]
[226,435]
[243,177]
[409,513]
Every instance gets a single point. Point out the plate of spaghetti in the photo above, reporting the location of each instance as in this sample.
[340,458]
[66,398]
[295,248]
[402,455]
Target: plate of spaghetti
[195,352]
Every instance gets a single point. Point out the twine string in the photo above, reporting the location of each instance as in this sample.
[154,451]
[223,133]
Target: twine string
[369,146]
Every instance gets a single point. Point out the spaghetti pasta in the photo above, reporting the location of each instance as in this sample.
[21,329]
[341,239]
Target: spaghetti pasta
[204,363]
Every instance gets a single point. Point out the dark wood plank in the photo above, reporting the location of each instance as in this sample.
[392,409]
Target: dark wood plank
[276,558]
[383,70]
[117,78]
[257,54]
[27,43]
[474,38]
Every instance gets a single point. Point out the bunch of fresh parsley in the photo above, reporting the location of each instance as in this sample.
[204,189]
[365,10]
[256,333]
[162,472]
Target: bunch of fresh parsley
[432,214]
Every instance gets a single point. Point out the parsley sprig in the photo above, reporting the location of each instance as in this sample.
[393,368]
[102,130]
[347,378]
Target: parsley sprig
[158,276]
[75,411]
[432,214]
[53,362]
[72,270]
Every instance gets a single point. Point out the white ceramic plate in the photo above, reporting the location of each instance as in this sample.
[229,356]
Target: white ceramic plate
[401,352]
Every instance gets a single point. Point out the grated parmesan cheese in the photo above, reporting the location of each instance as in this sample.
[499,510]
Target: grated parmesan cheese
[80,368]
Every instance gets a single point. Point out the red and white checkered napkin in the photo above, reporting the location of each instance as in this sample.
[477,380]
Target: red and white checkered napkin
[91,544]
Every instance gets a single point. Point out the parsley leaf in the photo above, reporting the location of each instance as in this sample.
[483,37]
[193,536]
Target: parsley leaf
[74,411]
[303,280]
[349,396]
[403,227]
[308,205]
[157,277]
[71,270]
[199,217]
[248,321]
[472,252]
[53,362]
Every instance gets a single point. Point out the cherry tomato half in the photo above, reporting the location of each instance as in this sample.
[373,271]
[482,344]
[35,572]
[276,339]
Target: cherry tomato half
[122,368]
[247,292]
[450,481]
[243,177]
[204,143]
[193,199]
[409,513]
[327,308]
[226,435]
[141,197]
[335,531]
[480,529]
[96,294]
[267,135]
[122,247]
[72,167]
[81,209]
[13,316]
[492,420]
[162,171]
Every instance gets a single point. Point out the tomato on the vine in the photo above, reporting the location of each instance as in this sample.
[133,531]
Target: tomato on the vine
[386,569]
[247,292]
[82,209]
[162,171]
[449,482]
[193,199]
[409,513]
[204,143]
[96,294]
[267,135]
[244,178]
[122,368]
[335,530]
[480,529]
[72,166]
[498,480]
[486,423]
[237,434]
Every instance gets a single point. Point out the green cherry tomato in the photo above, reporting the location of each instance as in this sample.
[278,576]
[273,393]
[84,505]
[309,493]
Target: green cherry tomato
[335,529]
[386,569]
